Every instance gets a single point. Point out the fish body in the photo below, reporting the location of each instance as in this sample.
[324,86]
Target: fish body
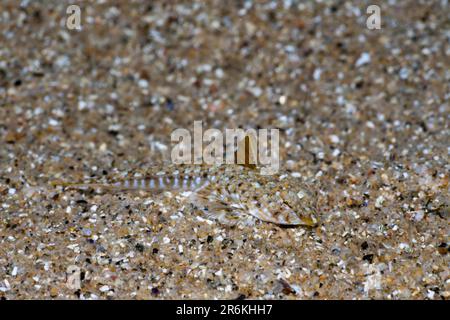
[226,192]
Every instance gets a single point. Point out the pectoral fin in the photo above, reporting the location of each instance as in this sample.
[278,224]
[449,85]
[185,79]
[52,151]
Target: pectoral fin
[215,208]
[246,152]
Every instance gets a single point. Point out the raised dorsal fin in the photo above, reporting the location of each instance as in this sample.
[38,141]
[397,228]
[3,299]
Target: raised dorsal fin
[246,152]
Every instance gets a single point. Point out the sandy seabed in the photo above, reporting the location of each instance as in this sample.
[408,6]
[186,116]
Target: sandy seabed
[363,115]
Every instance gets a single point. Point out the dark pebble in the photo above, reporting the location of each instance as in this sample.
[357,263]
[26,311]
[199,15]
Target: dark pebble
[364,245]
[368,257]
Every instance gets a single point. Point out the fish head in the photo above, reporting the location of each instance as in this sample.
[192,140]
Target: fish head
[299,203]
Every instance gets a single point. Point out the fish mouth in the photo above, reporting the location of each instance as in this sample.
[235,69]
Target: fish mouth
[310,221]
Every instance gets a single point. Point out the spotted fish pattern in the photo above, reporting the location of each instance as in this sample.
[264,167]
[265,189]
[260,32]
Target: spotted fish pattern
[226,193]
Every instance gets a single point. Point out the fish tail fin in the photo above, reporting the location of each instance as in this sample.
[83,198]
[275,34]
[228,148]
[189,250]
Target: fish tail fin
[79,186]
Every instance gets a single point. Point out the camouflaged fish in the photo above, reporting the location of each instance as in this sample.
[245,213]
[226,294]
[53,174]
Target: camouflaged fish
[227,193]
